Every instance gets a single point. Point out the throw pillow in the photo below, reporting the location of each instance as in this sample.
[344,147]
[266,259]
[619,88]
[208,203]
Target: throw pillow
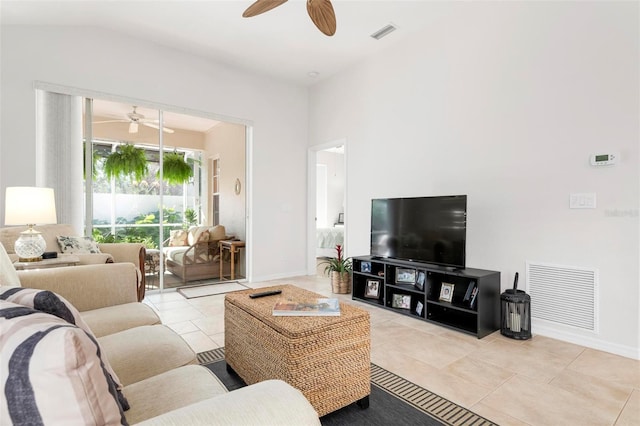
[197,234]
[177,238]
[77,245]
[50,372]
[8,275]
[217,232]
[53,304]
[203,237]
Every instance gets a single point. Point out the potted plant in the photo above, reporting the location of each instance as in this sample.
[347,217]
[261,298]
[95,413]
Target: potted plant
[126,160]
[339,268]
[175,169]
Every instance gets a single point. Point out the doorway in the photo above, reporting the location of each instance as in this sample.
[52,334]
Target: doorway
[173,218]
[327,202]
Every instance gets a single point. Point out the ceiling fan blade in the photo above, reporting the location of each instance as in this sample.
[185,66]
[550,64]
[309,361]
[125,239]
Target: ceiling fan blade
[155,126]
[261,6]
[322,14]
[133,127]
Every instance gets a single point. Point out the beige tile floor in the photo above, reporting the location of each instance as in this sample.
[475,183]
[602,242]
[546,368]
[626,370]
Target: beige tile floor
[541,381]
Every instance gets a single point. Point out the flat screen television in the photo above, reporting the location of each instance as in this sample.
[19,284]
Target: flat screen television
[425,229]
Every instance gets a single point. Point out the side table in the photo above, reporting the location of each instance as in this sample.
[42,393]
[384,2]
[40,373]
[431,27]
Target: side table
[234,247]
[66,260]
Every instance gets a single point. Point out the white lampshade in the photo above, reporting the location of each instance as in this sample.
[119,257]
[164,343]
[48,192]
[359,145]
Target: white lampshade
[25,205]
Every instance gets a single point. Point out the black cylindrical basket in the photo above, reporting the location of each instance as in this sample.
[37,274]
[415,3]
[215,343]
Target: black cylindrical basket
[516,313]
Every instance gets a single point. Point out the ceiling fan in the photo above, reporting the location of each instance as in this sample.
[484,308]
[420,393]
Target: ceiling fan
[320,11]
[134,119]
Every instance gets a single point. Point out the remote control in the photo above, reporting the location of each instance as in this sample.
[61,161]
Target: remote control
[265,293]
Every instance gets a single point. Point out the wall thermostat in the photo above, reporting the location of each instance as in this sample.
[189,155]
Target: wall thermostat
[604,159]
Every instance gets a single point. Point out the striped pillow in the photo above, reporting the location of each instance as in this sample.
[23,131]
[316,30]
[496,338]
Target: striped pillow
[45,301]
[51,373]
[54,304]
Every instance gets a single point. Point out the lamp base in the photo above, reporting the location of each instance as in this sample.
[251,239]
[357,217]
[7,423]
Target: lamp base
[30,245]
[30,259]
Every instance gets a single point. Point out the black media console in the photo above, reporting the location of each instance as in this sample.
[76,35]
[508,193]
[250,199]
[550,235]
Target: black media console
[466,300]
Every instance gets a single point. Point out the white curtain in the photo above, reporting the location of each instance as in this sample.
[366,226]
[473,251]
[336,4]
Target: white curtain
[59,156]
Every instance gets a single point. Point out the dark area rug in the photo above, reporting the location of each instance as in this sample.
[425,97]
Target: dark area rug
[393,400]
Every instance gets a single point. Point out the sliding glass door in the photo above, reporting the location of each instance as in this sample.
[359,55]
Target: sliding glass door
[122,172]
[147,187]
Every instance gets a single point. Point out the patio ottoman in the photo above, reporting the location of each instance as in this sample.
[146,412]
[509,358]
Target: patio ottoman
[326,358]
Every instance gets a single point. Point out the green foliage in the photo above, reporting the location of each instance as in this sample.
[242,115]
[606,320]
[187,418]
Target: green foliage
[127,235]
[127,160]
[190,218]
[171,215]
[175,169]
[147,235]
[95,156]
[337,264]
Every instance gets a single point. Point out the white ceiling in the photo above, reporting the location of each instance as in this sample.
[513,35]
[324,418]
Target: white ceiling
[282,43]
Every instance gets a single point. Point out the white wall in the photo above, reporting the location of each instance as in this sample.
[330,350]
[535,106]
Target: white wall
[99,60]
[335,184]
[227,142]
[504,102]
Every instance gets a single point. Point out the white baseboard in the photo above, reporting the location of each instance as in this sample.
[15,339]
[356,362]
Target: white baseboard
[286,275]
[587,341]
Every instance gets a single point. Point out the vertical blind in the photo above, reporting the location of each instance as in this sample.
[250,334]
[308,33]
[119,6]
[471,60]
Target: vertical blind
[59,153]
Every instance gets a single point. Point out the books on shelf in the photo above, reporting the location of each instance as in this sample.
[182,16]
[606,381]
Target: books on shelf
[470,287]
[474,293]
[307,308]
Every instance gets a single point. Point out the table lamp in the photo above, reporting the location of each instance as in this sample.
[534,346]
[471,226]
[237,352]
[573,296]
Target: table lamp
[29,206]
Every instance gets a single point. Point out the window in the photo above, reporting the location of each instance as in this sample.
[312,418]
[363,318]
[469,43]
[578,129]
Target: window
[127,209]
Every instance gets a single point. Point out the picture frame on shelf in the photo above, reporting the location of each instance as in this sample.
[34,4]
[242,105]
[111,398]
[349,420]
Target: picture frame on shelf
[446,292]
[420,280]
[365,267]
[372,289]
[419,308]
[405,276]
[401,301]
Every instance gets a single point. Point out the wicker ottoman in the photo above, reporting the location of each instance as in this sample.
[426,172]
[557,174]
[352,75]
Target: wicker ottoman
[326,358]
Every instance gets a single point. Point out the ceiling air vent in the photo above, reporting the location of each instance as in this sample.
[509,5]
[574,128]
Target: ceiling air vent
[383,31]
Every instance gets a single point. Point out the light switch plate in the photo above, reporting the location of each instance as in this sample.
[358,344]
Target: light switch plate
[582,200]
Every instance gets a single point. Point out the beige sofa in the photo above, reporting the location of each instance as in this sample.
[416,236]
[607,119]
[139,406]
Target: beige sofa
[109,252]
[155,367]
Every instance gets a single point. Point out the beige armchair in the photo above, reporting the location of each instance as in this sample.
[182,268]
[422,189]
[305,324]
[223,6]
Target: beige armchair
[108,253]
[194,254]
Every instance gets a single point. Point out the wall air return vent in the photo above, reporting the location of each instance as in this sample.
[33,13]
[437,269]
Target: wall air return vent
[563,294]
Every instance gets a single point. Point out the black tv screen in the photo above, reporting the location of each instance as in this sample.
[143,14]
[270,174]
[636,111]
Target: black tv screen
[425,229]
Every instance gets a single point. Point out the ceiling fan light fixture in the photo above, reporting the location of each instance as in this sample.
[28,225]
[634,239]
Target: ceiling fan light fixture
[384,31]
